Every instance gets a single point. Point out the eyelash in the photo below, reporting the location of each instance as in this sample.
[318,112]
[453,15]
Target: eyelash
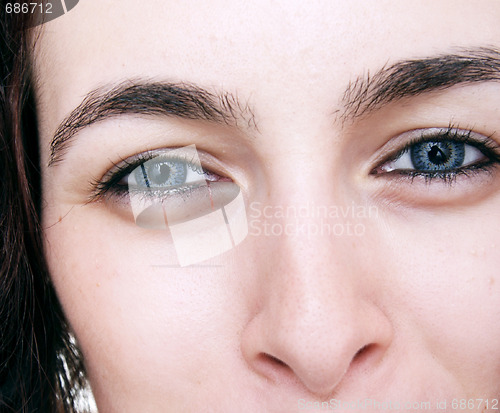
[110,184]
[485,145]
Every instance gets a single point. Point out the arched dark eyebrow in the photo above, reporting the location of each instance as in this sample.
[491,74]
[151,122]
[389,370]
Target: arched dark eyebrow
[367,93]
[154,99]
[416,76]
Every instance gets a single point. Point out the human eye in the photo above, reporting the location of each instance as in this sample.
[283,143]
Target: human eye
[168,184]
[441,153]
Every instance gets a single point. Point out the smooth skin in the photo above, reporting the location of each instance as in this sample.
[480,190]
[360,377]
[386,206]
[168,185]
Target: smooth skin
[408,311]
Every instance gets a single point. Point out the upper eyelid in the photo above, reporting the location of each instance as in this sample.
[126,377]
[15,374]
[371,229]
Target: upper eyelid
[482,142]
[467,136]
[134,161]
[100,186]
[125,166]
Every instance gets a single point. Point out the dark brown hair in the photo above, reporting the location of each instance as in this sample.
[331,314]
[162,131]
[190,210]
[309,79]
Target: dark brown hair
[41,369]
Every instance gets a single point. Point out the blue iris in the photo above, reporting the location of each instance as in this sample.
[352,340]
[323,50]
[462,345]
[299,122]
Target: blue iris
[436,156]
[162,173]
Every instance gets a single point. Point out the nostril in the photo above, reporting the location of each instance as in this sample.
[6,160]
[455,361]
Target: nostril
[273,360]
[275,370]
[362,352]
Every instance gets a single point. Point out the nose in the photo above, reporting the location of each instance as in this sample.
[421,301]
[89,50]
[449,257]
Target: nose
[318,321]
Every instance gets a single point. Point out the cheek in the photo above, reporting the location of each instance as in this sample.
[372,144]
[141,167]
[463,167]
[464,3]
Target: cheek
[447,274]
[136,317]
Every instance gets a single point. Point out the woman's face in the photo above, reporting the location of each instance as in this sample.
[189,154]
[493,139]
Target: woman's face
[347,155]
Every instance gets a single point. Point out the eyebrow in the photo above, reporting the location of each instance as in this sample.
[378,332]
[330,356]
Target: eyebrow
[365,94]
[413,77]
[141,97]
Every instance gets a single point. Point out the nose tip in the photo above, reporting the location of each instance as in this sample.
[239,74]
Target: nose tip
[326,376]
[312,351]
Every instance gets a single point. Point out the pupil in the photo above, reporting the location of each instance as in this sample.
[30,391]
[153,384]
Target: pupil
[161,174]
[436,155]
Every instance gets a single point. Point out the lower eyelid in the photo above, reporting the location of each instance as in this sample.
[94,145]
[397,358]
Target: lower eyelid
[445,187]
[151,209]
[410,189]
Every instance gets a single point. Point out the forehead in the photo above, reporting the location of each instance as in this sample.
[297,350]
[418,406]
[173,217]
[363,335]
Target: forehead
[259,48]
